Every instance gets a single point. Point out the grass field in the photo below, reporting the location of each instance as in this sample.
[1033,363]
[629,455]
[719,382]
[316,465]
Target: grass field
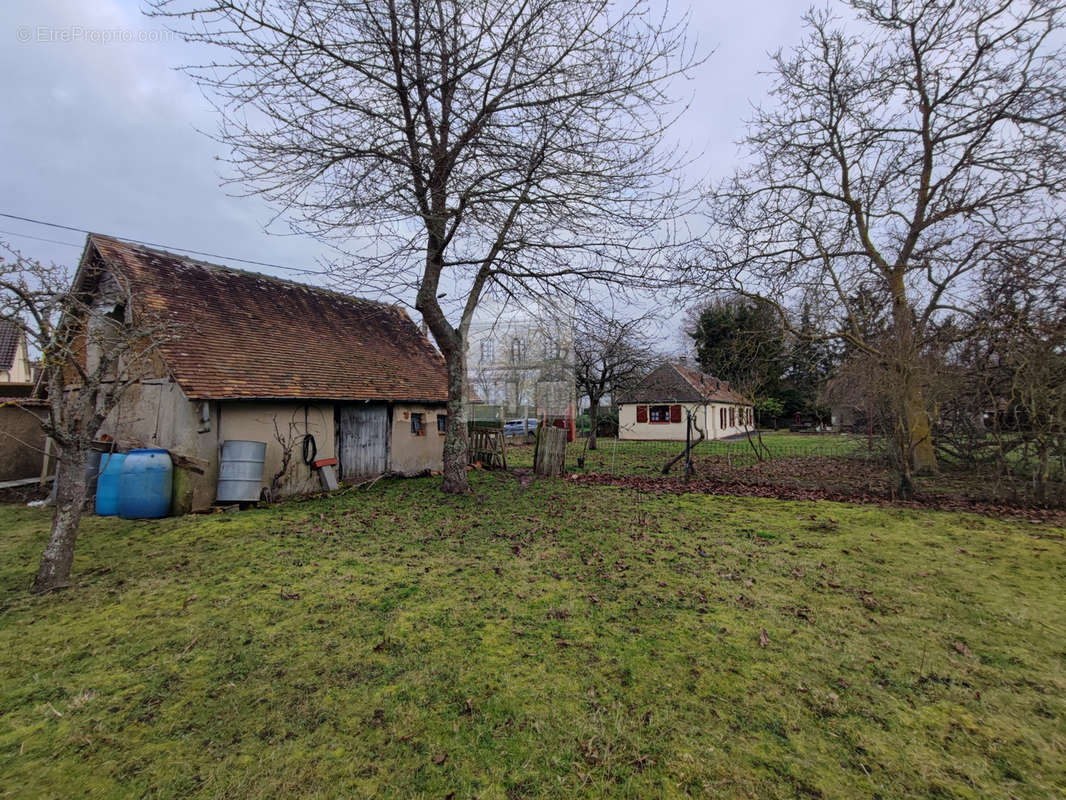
[551,641]
[633,457]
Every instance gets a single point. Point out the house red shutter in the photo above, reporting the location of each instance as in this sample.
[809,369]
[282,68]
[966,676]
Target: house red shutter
[675,413]
[721,417]
[642,413]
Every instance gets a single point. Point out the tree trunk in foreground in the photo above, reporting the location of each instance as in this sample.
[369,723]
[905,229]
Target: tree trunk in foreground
[54,572]
[919,439]
[456,440]
[594,411]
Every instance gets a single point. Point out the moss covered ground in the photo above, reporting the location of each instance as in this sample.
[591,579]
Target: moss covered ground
[538,641]
[638,457]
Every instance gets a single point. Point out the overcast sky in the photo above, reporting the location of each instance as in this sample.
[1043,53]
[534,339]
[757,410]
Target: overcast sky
[102,133]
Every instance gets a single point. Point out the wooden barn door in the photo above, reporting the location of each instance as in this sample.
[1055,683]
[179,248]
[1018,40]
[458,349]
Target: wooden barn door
[362,440]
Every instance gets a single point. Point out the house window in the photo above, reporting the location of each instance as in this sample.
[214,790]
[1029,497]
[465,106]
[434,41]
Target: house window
[658,413]
[721,417]
[442,423]
[418,426]
[732,416]
[516,351]
[488,351]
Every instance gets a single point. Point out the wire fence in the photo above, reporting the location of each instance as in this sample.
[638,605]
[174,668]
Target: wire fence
[641,457]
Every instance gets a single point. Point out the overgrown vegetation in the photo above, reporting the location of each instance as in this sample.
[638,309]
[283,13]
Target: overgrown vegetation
[907,149]
[550,641]
[837,466]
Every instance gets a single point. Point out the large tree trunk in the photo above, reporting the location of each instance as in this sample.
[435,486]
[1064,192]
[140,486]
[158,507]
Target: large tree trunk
[919,437]
[54,572]
[594,412]
[452,344]
[456,440]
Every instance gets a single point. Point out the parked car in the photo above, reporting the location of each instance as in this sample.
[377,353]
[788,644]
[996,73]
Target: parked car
[514,427]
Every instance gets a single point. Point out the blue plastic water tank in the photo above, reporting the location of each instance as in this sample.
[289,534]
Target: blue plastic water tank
[145,484]
[107,483]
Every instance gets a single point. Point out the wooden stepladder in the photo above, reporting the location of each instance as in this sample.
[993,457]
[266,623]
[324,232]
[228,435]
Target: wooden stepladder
[486,446]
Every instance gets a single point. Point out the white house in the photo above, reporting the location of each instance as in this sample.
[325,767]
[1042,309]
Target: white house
[14,358]
[656,408]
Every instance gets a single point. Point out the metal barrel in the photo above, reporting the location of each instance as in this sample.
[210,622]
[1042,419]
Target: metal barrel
[240,471]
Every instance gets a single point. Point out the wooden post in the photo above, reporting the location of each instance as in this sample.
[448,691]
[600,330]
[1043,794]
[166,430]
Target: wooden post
[45,460]
[688,444]
[551,453]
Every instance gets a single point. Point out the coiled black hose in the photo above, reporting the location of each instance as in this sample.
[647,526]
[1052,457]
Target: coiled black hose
[310,449]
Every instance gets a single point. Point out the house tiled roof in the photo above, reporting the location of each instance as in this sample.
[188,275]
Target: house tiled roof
[242,335]
[10,335]
[676,383]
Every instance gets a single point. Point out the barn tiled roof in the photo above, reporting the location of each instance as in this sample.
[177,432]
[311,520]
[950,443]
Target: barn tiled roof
[9,343]
[242,335]
[676,383]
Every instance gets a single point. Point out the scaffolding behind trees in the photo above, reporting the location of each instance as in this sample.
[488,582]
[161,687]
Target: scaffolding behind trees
[521,359]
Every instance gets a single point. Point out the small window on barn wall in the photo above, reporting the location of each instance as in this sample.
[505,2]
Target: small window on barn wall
[442,423]
[675,413]
[642,413]
[418,425]
[721,417]
[658,413]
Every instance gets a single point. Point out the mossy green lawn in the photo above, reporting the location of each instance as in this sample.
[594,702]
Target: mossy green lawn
[647,457]
[549,641]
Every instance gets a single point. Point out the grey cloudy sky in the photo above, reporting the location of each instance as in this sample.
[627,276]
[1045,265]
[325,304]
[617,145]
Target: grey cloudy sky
[101,132]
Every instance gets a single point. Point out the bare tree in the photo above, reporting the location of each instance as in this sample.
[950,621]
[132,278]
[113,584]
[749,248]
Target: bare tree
[287,441]
[93,345]
[476,145]
[901,150]
[610,355]
[1009,375]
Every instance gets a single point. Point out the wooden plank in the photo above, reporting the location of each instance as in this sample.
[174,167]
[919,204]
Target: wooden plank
[551,451]
[45,461]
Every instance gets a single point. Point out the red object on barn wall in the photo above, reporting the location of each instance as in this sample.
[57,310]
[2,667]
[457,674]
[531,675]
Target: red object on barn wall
[675,413]
[642,413]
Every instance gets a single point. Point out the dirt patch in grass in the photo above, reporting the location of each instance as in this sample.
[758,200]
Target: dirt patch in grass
[853,482]
[800,466]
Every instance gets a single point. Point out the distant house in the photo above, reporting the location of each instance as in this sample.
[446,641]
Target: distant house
[656,408]
[263,359]
[21,436]
[14,358]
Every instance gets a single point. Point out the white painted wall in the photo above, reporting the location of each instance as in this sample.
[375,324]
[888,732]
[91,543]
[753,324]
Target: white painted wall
[707,417]
[254,421]
[410,454]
